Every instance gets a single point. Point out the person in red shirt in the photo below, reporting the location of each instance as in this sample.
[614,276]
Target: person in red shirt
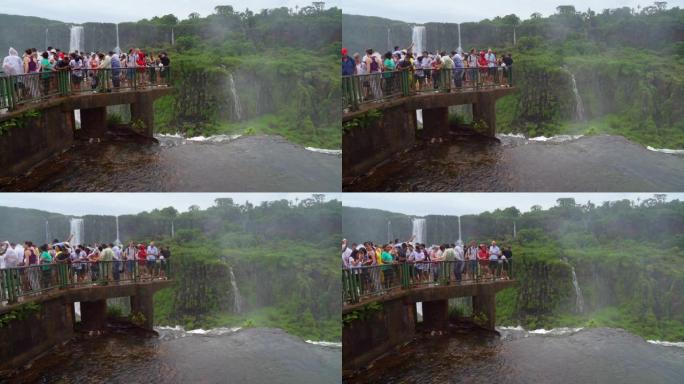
[142,259]
[483,258]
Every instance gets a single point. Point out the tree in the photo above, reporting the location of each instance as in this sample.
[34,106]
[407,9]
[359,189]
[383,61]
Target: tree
[661,5]
[566,202]
[536,16]
[194,16]
[566,10]
[224,10]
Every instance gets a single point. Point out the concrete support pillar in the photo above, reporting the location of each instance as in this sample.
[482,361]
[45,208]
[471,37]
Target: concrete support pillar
[142,115]
[485,305]
[94,315]
[142,303]
[436,122]
[94,122]
[436,314]
[484,111]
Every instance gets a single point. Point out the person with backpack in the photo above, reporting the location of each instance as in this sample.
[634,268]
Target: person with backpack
[374,70]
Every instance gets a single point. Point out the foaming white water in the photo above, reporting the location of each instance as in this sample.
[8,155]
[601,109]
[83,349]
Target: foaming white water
[178,331]
[668,151]
[214,139]
[176,138]
[325,343]
[556,139]
[550,139]
[547,332]
[679,344]
[337,152]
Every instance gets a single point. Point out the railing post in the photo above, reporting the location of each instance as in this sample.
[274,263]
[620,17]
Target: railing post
[404,83]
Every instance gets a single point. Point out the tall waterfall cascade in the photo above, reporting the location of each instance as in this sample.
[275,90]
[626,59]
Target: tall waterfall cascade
[460,238]
[418,230]
[76,42]
[459,49]
[579,299]
[76,228]
[579,106]
[237,299]
[173,40]
[236,100]
[118,239]
[117,49]
[418,39]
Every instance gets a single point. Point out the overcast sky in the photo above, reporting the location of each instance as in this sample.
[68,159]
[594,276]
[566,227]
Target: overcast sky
[422,204]
[79,204]
[116,11]
[459,11]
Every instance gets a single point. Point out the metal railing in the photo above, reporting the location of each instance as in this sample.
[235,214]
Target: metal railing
[381,86]
[17,90]
[364,282]
[19,282]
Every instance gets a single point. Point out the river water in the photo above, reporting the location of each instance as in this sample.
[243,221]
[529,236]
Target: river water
[515,164]
[256,355]
[221,163]
[571,356]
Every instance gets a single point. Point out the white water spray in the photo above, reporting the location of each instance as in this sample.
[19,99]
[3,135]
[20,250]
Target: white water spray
[418,230]
[237,299]
[76,228]
[418,39]
[236,101]
[76,38]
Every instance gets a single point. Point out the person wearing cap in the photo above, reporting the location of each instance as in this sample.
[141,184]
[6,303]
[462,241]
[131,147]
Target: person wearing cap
[348,65]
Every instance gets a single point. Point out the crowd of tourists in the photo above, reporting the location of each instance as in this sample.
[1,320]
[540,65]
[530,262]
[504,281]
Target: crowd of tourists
[427,70]
[95,71]
[38,267]
[425,263]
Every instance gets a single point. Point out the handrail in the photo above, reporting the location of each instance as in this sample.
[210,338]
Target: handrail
[33,280]
[16,90]
[368,281]
[381,86]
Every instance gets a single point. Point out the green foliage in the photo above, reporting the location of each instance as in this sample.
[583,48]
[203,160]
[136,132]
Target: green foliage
[21,312]
[138,318]
[18,122]
[363,121]
[362,313]
[114,311]
[114,119]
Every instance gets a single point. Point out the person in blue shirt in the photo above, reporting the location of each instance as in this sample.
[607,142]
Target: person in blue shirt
[348,65]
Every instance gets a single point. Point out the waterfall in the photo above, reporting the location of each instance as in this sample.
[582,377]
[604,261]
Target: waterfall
[418,230]
[117,241]
[76,229]
[418,39]
[579,107]
[459,49]
[237,299]
[460,239]
[173,40]
[579,299]
[76,39]
[118,47]
[236,101]
[172,229]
